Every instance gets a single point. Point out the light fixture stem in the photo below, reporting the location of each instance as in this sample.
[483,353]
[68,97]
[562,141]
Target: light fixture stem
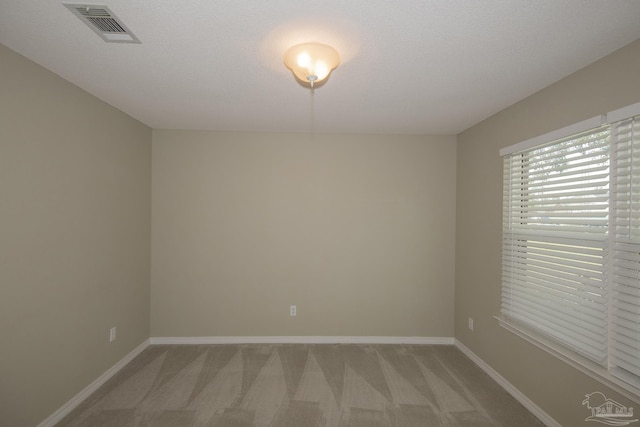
[312,79]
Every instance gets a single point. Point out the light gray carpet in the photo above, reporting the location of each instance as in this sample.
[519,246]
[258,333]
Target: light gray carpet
[300,386]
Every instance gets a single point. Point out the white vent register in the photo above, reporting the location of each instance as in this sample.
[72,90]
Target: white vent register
[103,22]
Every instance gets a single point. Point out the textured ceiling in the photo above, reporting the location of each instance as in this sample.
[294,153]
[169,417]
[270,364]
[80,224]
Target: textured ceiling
[408,66]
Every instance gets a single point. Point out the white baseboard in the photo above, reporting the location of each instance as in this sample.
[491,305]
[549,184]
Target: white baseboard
[64,410]
[510,388]
[303,340]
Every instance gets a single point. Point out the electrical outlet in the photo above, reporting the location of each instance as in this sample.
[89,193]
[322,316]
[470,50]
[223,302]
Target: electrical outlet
[112,334]
[470,324]
[292,310]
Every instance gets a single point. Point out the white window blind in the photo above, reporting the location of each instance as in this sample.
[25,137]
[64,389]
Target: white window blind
[571,243]
[555,229]
[624,359]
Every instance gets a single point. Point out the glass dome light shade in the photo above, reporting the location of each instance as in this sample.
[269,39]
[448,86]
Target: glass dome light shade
[311,59]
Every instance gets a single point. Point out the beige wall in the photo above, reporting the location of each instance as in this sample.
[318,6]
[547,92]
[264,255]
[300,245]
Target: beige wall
[605,85]
[74,239]
[356,230]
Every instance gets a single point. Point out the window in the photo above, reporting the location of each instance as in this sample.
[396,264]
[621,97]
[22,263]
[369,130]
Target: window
[624,355]
[571,242]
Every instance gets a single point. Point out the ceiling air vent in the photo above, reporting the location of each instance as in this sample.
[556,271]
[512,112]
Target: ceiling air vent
[103,22]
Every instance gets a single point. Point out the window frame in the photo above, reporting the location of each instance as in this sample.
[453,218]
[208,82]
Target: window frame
[602,373]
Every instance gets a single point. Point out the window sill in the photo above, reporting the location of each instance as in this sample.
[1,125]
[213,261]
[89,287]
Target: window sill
[573,359]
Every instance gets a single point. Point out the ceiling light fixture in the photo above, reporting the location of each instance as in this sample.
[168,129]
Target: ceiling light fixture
[311,62]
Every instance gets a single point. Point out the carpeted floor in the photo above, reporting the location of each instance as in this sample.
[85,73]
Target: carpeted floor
[300,386]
